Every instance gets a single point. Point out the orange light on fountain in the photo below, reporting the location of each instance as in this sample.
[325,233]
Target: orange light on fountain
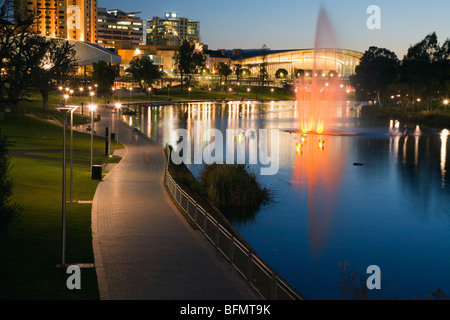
[321,143]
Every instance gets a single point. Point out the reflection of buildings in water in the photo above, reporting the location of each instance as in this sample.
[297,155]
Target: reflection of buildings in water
[399,139]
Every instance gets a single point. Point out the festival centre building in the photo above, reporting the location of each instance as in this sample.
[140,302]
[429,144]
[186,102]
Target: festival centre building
[325,62]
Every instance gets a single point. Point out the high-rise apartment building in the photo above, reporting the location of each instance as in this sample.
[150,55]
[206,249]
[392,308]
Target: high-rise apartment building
[172,30]
[119,30]
[70,19]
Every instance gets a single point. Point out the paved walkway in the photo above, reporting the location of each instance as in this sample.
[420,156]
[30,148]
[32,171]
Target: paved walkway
[144,248]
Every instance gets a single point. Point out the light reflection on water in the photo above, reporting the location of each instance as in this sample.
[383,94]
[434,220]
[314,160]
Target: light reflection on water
[391,210]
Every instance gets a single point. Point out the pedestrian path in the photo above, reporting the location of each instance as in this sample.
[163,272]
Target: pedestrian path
[144,249]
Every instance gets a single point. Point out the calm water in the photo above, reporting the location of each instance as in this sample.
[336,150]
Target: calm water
[393,211]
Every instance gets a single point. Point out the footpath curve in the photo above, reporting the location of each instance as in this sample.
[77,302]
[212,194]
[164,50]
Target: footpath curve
[144,249]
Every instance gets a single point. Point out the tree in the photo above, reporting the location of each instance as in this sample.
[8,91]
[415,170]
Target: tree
[18,52]
[104,75]
[377,69]
[189,58]
[57,63]
[238,72]
[224,70]
[425,68]
[263,74]
[144,72]
[281,74]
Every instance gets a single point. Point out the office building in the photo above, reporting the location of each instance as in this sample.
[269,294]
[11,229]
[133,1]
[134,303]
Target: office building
[119,30]
[69,19]
[172,30]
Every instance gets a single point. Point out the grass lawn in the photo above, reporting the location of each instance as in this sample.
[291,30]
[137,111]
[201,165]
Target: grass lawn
[31,248]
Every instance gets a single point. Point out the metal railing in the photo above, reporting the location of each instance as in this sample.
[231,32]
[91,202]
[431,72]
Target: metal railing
[267,282]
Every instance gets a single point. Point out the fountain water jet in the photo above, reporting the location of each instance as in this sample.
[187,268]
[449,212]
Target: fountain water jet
[318,164]
[316,90]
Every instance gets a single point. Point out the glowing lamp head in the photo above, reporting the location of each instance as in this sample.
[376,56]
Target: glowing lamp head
[445,101]
[118,105]
[92,107]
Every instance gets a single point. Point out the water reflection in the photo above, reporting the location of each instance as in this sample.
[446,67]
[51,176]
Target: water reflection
[444,135]
[392,211]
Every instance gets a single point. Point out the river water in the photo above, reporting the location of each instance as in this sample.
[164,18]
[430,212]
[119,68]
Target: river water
[372,194]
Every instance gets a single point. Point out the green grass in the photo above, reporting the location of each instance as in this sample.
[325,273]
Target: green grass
[30,248]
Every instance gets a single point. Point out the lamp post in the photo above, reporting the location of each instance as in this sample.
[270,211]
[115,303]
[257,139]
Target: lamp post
[66,96]
[118,106]
[189,89]
[92,107]
[64,110]
[131,89]
[71,151]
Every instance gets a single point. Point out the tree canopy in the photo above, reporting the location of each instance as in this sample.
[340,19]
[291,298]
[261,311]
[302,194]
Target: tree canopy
[144,71]
[189,58]
[378,68]
[104,76]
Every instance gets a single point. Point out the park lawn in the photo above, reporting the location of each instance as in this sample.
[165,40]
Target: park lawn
[31,248]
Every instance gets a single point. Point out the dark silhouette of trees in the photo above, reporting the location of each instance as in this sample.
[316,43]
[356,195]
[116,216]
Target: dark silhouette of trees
[377,69]
[425,68]
[144,72]
[224,70]
[57,64]
[423,75]
[189,58]
[104,75]
[263,73]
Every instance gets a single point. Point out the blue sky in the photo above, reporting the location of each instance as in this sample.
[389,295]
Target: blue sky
[291,24]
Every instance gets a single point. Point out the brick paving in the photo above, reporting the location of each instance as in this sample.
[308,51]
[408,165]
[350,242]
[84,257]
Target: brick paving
[144,248]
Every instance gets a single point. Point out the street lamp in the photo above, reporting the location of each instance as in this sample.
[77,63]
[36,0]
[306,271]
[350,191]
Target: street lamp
[92,107]
[118,106]
[64,110]
[189,89]
[66,96]
[131,89]
[71,150]
[92,96]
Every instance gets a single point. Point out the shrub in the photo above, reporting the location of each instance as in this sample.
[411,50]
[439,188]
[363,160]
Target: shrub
[232,186]
[6,185]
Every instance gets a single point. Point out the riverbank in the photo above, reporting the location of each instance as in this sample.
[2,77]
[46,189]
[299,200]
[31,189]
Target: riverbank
[438,118]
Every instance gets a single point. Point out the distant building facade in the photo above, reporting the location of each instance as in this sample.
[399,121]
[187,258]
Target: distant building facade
[69,19]
[172,30]
[119,30]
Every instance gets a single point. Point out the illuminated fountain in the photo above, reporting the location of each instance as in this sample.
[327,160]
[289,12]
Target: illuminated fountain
[315,89]
[319,164]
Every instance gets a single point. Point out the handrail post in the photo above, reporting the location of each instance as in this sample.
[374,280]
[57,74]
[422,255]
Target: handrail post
[249,265]
[273,287]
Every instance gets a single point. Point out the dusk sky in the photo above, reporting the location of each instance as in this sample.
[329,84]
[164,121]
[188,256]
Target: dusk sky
[291,24]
